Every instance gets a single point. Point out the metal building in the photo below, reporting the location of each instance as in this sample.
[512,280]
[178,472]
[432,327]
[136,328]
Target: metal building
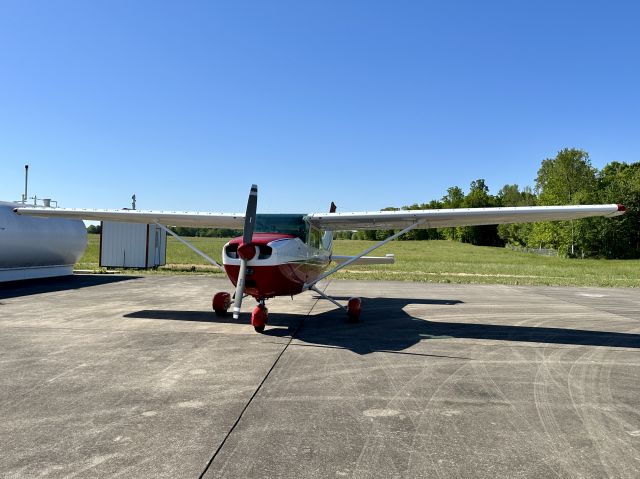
[132,245]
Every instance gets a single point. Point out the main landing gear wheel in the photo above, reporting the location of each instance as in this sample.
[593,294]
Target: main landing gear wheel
[259,317]
[353,309]
[221,303]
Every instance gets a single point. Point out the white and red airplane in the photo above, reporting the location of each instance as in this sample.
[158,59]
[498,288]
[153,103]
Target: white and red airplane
[290,253]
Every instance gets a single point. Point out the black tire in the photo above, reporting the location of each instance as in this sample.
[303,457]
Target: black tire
[259,329]
[220,312]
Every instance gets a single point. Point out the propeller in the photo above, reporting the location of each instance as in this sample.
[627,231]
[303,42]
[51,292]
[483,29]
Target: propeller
[246,251]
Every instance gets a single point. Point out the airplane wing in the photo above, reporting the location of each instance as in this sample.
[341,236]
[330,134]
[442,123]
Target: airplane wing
[170,218]
[457,217]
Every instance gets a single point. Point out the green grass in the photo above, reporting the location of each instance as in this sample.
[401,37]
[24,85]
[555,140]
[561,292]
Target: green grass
[429,261]
[452,262]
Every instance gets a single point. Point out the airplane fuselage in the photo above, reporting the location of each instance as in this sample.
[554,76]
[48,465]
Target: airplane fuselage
[284,262]
[281,267]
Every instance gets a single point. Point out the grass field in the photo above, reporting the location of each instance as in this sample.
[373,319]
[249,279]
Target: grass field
[430,261]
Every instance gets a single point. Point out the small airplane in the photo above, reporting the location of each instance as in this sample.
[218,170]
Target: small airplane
[287,254]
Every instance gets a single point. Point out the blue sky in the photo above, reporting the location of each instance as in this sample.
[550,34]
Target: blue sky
[368,104]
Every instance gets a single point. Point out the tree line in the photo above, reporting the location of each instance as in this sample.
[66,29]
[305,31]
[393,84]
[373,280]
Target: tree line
[567,179]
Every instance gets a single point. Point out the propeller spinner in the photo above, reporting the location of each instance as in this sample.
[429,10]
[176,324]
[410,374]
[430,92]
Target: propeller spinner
[246,251]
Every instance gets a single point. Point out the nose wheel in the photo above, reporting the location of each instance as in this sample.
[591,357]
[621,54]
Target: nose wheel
[259,317]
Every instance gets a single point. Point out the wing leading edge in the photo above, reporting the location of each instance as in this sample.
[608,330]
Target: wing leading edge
[171,218]
[345,221]
[458,217]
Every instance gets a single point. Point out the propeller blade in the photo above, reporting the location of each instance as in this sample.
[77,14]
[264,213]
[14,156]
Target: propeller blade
[250,216]
[246,251]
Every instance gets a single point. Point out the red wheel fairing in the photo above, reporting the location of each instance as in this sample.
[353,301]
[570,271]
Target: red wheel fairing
[353,309]
[259,317]
[221,302]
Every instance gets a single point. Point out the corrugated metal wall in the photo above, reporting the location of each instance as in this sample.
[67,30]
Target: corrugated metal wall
[132,245]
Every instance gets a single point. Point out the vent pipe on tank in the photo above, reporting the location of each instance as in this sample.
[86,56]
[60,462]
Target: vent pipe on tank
[26,183]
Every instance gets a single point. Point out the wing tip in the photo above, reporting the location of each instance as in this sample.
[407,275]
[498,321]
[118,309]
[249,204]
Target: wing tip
[621,208]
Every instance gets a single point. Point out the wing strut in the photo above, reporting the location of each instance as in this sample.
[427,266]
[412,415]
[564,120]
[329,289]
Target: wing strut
[365,252]
[328,298]
[189,245]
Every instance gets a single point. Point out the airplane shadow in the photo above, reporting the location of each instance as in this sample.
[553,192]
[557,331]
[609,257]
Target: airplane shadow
[28,287]
[385,326]
[287,320]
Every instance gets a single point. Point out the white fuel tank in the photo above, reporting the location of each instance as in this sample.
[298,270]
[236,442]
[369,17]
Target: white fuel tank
[38,247]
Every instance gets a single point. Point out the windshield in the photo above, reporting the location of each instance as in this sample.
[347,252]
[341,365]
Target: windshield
[291,224]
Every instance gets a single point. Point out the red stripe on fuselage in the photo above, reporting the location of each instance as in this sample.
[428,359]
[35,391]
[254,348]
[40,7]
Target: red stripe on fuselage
[277,280]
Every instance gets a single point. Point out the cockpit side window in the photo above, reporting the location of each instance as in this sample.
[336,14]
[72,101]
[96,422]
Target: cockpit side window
[315,238]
